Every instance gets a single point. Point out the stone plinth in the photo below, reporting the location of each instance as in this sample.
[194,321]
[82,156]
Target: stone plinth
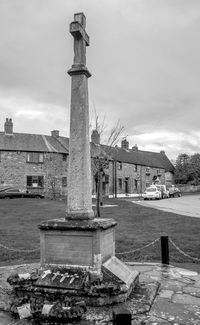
[77,243]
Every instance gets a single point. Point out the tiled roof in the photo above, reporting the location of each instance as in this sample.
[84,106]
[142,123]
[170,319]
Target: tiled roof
[31,142]
[44,143]
[139,157]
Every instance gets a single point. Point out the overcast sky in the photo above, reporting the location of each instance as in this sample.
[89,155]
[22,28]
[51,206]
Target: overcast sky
[144,59]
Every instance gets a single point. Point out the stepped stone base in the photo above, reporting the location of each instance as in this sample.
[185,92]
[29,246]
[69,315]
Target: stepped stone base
[86,250]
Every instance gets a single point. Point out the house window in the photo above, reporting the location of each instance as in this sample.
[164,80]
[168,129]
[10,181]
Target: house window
[106,178]
[35,181]
[120,183]
[135,168]
[120,165]
[64,181]
[35,157]
[147,170]
[159,172]
[64,157]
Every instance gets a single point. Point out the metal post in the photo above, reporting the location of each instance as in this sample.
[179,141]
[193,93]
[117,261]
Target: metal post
[164,249]
[121,317]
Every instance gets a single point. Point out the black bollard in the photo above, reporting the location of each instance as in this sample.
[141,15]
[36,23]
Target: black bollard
[164,249]
[121,317]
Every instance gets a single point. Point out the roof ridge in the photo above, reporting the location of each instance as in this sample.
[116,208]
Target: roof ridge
[49,146]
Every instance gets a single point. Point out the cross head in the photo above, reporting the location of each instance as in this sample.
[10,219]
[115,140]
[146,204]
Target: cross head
[81,38]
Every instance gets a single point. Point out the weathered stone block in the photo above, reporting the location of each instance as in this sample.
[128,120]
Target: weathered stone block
[85,243]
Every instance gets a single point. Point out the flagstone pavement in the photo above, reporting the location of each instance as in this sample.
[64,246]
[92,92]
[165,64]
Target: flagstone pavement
[175,301]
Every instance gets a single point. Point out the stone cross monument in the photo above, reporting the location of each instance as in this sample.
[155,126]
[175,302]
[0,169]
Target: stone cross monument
[79,205]
[80,241]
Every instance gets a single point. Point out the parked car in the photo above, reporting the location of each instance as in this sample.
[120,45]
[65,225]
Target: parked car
[11,193]
[174,192]
[152,193]
[164,191]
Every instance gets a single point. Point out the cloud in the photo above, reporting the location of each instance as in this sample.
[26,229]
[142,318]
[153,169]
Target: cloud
[171,142]
[31,116]
[144,59]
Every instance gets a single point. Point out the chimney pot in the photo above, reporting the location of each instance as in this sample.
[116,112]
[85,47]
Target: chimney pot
[125,144]
[95,137]
[55,133]
[135,147]
[8,126]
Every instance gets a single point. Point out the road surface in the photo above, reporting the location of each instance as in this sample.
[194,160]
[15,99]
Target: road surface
[188,205]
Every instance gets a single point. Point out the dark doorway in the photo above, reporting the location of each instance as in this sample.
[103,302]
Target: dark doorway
[126,185]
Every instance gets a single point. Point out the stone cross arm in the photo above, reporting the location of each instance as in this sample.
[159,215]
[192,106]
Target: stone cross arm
[78,32]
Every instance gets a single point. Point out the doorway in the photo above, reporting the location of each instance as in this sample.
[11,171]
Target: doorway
[126,185]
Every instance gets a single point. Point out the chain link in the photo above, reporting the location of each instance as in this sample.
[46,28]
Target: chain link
[182,252]
[139,249]
[19,250]
[121,253]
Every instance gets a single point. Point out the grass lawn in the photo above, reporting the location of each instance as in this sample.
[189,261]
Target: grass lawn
[137,226]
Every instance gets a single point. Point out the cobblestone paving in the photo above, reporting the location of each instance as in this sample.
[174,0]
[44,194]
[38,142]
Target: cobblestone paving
[176,302]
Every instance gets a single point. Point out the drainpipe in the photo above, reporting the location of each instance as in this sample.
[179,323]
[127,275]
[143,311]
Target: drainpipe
[115,169]
[113,174]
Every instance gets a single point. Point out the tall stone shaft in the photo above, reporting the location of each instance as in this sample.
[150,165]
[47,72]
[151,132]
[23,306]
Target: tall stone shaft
[79,200]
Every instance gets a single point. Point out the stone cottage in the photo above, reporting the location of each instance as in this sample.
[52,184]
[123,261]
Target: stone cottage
[39,163]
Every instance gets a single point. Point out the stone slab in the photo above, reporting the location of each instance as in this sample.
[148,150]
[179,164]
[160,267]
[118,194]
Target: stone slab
[186,299]
[179,313]
[121,270]
[90,225]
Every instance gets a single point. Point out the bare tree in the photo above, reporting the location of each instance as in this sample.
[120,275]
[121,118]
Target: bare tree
[103,156]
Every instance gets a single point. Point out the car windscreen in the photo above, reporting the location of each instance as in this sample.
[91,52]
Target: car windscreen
[151,189]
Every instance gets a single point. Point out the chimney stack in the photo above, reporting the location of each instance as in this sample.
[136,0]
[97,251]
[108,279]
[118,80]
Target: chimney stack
[95,137]
[135,147]
[55,133]
[125,144]
[8,126]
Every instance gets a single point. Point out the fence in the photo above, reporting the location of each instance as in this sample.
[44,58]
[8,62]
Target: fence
[164,242]
[165,253]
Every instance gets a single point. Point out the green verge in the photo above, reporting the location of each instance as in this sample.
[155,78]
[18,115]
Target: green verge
[137,226]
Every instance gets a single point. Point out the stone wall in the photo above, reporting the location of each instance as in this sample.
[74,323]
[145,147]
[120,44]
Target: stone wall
[14,170]
[126,174]
[169,177]
[188,188]
[130,178]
